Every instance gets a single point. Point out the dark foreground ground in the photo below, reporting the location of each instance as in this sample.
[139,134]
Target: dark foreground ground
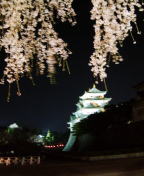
[121,167]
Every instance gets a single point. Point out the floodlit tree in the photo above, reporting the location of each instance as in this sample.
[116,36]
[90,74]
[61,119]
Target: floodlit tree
[49,138]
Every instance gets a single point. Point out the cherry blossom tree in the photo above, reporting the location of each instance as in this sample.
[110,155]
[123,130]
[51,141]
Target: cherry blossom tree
[113,23]
[29,39]
[28,36]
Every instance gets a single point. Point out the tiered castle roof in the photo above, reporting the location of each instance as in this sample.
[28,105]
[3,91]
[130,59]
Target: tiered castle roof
[93,101]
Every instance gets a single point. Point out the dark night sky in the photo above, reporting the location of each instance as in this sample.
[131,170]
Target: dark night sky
[49,106]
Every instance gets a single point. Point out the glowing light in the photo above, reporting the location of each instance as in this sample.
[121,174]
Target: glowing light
[54,146]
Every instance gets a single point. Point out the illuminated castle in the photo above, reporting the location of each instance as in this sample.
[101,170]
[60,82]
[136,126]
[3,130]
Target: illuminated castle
[93,101]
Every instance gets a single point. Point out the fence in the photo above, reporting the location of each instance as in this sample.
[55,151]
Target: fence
[7,161]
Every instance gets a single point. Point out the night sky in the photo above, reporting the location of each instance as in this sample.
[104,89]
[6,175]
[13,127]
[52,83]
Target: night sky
[48,106]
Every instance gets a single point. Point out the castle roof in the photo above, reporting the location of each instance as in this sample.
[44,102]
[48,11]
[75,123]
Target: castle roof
[95,90]
[92,101]
[93,93]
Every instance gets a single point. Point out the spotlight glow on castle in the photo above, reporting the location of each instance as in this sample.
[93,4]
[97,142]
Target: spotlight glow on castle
[93,101]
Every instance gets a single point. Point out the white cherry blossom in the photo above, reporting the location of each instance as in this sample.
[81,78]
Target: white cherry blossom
[113,23]
[27,35]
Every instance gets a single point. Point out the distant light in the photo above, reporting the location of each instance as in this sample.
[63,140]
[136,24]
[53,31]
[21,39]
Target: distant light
[54,146]
[129,122]
[40,136]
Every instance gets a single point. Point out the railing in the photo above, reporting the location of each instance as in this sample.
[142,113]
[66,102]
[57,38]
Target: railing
[30,160]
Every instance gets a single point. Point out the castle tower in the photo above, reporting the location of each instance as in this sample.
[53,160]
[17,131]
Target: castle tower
[93,101]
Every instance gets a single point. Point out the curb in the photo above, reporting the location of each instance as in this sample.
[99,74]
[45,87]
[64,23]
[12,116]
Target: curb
[108,157]
[118,156]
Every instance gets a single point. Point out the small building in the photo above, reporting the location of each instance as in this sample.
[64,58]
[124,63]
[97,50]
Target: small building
[39,139]
[13,126]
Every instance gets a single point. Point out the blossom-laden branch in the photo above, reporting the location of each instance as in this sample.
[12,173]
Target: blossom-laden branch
[27,35]
[113,23]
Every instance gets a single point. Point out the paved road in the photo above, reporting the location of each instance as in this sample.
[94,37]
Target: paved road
[121,167]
